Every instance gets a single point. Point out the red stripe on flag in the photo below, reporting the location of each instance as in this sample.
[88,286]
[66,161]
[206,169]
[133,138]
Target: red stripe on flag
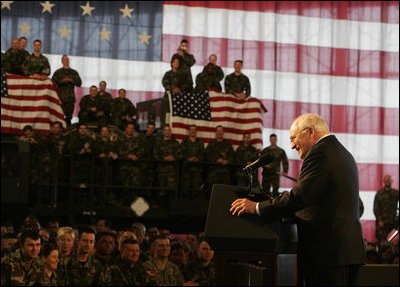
[237,121]
[33,109]
[368,11]
[211,129]
[36,98]
[271,56]
[368,228]
[5,130]
[340,118]
[25,120]
[32,87]
[234,110]
[208,140]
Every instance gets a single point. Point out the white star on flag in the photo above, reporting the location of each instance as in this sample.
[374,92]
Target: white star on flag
[47,6]
[87,9]
[126,12]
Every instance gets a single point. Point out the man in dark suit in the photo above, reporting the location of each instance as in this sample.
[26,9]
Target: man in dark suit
[325,204]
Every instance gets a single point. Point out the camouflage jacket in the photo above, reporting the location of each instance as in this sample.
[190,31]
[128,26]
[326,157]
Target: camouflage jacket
[36,65]
[13,61]
[122,274]
[180,80]
[76,142]
[190,149]
[14,272]
[67,89]
[216,150]
[122,107]
[82,274]
[245,154]
[278,156]
[170,276]
[185,63]
[385,205]
[237,84]
[197,272]
[104,101]
[210,78]
[130,145]
[164,148]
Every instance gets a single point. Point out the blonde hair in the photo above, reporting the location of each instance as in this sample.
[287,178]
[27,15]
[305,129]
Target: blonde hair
[310,120]
[66,230]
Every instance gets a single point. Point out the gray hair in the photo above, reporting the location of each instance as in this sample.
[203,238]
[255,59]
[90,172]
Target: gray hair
[310,120]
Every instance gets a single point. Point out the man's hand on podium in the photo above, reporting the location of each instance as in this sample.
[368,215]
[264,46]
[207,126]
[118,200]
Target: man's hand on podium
[243,205]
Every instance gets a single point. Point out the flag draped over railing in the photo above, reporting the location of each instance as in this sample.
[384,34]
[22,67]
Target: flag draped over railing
[207,110]
[29,102]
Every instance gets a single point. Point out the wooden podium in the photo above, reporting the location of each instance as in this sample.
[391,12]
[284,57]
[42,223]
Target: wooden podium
[244,246]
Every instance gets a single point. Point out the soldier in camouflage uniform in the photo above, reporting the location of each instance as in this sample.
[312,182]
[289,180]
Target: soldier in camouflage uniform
[52,275]
[122,110]
[271,170]
[105,101]
[167,149]
[37,65]
[237,83]
[244,155]
[192,151]
[209,79]
[147,143]
[386,205]
[79,145]
[91,109]
[129,170]
[201,269]
[66,79]
[159,269]
[127,270]
[14,59]
[24,267]
[174,81]
[81,268]
[22,46]
[186,61]
[219,152]
[106,145]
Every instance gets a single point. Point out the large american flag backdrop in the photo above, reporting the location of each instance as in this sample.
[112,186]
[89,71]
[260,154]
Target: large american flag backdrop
[338,59]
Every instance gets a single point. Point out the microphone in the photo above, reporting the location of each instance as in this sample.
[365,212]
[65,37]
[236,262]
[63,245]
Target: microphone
[262,160]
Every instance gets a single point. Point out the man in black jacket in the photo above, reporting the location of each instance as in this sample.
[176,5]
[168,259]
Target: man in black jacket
[325,204]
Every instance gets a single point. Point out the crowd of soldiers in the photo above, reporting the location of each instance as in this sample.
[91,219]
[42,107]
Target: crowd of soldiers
[100,256]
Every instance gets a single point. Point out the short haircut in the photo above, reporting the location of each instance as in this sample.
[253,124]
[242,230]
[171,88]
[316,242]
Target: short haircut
[103,82]
[93,86]
[246,133]
[37,40]
[184,41]
[219,126]
[60,124]
[240,61]
[151,123]
[33,234]
[23,38]
[160,237]
[27,128]
[273,135]
[80,124]
[129,241]
[86,230]
[310,120]
[47,248]
[106,233]
[66,230]
[120,90]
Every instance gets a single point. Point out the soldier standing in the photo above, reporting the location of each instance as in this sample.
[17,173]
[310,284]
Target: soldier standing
[219,152]
[386,204]
[36,65]
[209,79]
[66,79]
[271,171]
[246,154]
[122,110]
[237,83]
[167,149]
[193,152]
[146,145]
[14,59]
[105,101]
[130,151]
[186,61]
[22,45]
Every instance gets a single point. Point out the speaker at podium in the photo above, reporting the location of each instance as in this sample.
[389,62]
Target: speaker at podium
[239,241]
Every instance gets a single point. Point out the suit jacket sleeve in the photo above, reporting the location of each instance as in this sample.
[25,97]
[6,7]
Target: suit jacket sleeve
[307,192]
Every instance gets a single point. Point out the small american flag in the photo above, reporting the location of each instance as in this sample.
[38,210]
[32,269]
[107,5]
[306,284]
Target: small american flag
[208,110]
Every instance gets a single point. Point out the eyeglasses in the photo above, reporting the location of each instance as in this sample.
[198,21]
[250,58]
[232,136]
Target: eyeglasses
[292,138]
